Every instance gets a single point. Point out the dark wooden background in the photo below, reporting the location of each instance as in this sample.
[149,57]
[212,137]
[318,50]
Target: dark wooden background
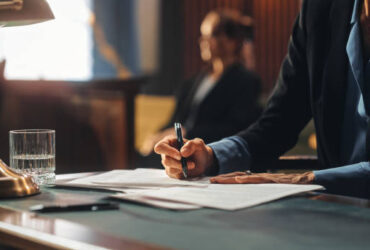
[94,120]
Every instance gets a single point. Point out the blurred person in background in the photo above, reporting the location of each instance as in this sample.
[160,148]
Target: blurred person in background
[223,98]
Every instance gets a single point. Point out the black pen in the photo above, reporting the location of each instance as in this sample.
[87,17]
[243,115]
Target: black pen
[96,206]
[180,143]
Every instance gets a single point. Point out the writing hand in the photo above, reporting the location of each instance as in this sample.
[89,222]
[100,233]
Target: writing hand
[199,156]
[151,140]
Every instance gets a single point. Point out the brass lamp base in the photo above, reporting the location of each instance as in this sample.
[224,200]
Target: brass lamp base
[13,184]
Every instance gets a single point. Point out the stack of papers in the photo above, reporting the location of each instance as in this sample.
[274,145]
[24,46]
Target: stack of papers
[136,179]
[154,187]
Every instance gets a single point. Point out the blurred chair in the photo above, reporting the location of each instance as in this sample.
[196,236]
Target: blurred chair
[151,113]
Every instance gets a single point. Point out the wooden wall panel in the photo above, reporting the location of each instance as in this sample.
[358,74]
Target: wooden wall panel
[273,25]
[94,121]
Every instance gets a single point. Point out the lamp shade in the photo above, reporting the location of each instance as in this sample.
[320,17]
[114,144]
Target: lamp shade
[24,12]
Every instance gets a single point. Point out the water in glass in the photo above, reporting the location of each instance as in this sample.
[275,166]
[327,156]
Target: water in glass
[32,151]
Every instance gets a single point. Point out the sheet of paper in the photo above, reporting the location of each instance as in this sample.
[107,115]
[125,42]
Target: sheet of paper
[173,205]
[140,178]
[87,182]
[229,196]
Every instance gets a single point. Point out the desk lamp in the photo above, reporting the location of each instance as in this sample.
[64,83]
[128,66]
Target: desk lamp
[17,13]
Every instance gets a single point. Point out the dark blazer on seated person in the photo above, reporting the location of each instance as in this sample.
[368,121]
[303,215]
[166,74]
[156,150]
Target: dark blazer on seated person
[313,83]
[231,105]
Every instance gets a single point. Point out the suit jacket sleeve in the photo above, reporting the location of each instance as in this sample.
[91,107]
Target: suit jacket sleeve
[288,109]
[351,180]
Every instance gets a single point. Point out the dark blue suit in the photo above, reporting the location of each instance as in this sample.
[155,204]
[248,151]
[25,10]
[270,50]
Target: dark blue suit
[313,83]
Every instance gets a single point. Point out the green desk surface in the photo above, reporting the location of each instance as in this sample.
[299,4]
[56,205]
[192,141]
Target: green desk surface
[292,223]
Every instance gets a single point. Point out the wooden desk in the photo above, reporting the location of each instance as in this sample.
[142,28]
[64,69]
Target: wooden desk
[303,222]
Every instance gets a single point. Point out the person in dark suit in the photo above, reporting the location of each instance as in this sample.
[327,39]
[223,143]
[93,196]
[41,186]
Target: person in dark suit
[325,76]
[212,105]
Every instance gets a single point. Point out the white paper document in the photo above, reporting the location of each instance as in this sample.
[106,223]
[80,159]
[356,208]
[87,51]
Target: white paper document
[174,205]
[135,178]
[229,196]
[145,178]
[154,187]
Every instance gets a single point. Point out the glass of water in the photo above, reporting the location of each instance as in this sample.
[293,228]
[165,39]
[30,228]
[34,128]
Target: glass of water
[32,152]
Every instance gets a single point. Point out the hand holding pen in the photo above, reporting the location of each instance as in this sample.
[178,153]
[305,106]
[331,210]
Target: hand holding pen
[199,156]
[180,144]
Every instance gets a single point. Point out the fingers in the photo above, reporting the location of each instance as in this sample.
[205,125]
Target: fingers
[169,162]
[252,179]
[178,174]
[174,173]
[227,178]
[165,147]
[191,146]
[174,167]
[232,174]
[223,180]
[238,178]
